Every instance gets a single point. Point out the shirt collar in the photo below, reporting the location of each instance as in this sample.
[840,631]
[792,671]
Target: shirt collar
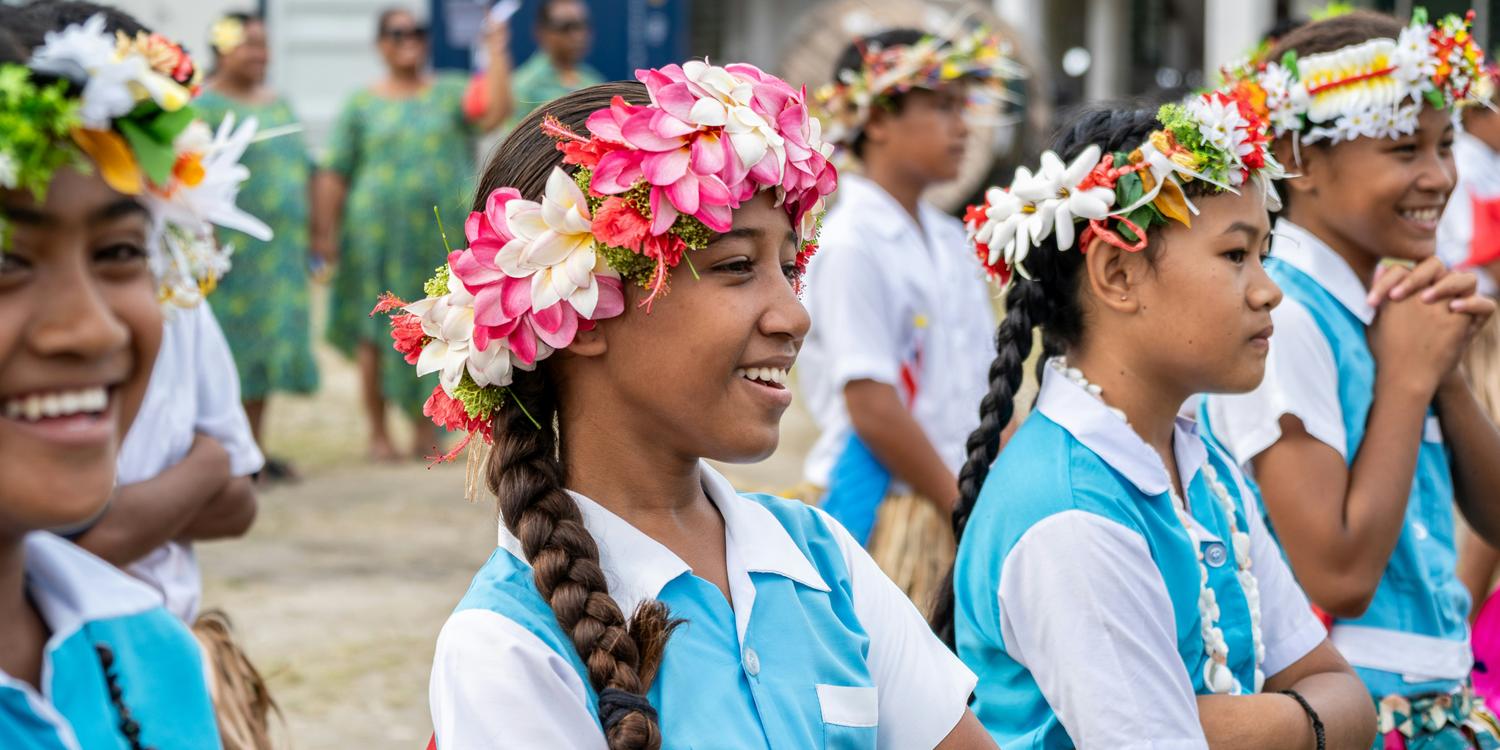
[880,213]
[72,587]
[638,567]
[1299,248]
[1099,429]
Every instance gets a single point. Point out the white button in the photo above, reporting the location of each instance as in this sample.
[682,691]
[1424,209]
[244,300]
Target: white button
[1420,529]
[752,662]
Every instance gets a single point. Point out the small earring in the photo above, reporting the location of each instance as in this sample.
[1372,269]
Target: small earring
[1123,298]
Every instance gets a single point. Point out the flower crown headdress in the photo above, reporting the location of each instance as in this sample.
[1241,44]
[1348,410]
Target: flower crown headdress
[120,105]
[978,56]
[1214,138]
[1374,89]
[652,183]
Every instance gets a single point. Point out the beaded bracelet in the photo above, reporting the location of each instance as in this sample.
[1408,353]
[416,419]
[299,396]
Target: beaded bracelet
[1317,723]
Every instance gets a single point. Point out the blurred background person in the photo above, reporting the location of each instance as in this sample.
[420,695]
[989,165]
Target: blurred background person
[563,36]
[399,148]
[262,304]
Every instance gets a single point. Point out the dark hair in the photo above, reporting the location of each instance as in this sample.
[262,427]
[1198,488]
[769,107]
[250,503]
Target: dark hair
[526,473]
[11,50]
[852,59]
[389,12]
[544,11]
[1049,300]
[33,20]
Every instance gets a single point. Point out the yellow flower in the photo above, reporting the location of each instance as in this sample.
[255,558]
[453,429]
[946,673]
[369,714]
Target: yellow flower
[116,162]
[226,35]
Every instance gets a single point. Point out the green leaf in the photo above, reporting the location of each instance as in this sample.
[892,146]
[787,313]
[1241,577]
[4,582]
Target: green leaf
[166,126]
[1435,98]
[1289,61]
[155,158]
[1129,189]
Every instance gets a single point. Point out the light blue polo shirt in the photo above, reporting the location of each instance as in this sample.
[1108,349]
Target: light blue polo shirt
[818,649]
[1414,638]
[84,602]
[1077,586]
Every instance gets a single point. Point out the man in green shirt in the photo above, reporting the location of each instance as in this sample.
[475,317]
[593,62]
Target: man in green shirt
[563,36]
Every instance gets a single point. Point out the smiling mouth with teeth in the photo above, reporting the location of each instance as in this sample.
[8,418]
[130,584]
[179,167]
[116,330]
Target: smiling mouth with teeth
[773,377]
[1424,215]
[38,406]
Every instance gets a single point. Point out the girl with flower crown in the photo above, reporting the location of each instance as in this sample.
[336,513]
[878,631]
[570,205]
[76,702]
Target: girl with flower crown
[1114,584]
[107,204]
[1364,433]
[627,308]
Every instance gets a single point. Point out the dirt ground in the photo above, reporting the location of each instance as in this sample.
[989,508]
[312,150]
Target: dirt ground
[340,589]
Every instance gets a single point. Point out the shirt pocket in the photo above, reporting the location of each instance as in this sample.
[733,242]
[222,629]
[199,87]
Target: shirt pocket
[850,716]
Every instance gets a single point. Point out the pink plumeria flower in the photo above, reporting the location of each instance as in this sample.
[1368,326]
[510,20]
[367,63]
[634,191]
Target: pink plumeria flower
[553,245]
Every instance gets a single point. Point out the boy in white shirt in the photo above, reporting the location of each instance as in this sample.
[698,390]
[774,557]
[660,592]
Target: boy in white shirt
[902,320]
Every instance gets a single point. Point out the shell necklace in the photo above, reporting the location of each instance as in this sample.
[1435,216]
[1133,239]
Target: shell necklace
[1216,673]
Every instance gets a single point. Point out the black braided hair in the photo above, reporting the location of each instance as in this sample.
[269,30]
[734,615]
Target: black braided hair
[1050,301]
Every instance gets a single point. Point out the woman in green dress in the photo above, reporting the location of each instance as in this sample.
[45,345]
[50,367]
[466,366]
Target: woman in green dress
[262,303]
[398,149]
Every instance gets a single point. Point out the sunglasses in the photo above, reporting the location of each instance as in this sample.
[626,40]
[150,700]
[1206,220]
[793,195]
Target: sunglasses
[568,27]
[403,34]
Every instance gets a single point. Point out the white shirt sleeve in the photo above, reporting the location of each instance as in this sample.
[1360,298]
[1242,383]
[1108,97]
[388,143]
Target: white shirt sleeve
[922,687]
[1301,379]
[1084,608]
[496,685]
[1456,228]
[857,311]
[220,414]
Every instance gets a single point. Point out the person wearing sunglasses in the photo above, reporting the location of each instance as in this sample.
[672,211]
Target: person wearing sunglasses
[400,146]
[563,35]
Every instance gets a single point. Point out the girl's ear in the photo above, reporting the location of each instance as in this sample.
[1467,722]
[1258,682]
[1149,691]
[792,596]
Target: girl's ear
[1304,165]
[1114,275]
[590,343]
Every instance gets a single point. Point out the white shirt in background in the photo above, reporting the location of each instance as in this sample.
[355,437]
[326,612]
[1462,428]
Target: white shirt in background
[194,389]
[883,293]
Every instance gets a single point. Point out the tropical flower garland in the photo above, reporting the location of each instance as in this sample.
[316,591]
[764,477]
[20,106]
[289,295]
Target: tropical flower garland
[978,56]
[1215,137]
[651,183]
[1374,89]
[120,105]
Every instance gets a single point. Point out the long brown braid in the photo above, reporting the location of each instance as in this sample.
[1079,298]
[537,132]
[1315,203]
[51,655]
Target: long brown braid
[526,473]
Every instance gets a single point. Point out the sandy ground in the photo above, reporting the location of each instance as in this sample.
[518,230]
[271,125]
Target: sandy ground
[339,591]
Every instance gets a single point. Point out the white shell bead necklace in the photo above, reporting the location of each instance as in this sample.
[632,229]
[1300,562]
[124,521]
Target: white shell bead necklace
[1216,673]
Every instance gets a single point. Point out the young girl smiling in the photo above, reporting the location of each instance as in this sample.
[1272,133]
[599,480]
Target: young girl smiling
[88,656]
[1114,586]
[627,308]
[1364,434]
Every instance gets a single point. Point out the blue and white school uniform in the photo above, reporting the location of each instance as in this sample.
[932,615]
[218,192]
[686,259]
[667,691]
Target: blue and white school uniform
[899,304]
[1077,586]
[818,650]
[159,667]
[1414,638]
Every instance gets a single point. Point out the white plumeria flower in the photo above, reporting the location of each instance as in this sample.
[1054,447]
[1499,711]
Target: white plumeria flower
[1413,59]
[112,84]
[449,321]
[727,105]
[9,172]
[1067,203]
[84,53]
[554,247]
[1221,124]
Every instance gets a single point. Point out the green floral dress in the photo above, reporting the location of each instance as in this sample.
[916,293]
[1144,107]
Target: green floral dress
[262,303]
[401,158]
